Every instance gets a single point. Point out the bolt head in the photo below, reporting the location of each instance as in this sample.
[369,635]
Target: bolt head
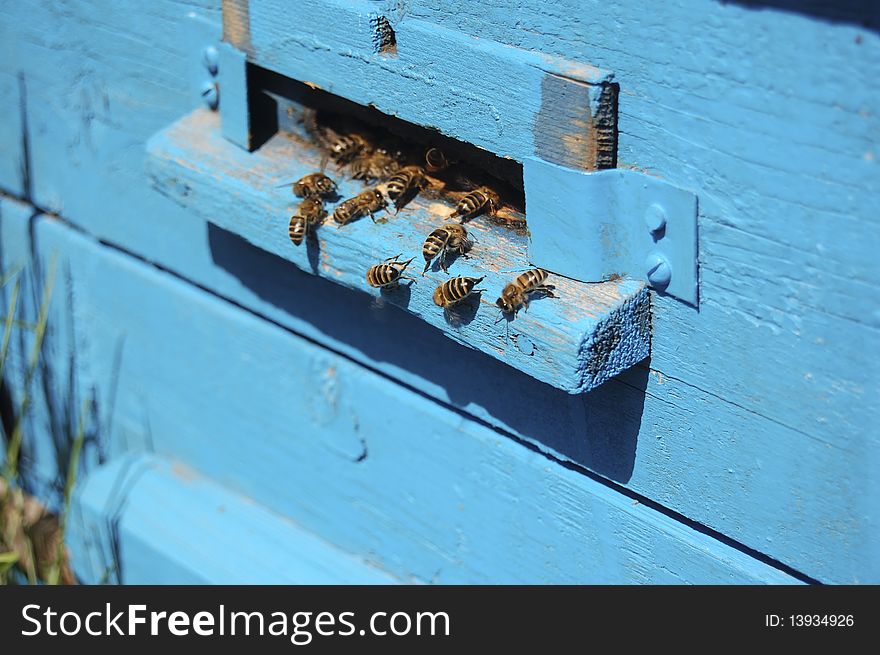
[655,219]
[659,270]
[210,59]
[210,94]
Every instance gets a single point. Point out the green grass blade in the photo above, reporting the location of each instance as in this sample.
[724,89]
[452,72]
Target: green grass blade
[8,325]
[9,275]
[69,484]
[14,447]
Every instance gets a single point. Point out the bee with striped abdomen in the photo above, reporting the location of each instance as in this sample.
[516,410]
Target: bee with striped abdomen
[455,290]
[435,160]
[313,185]
[366,202]
[310,212]
[452,237]
[389,273]
[404,185]
[345,147]
[371,165]
[516,294]
[479,201]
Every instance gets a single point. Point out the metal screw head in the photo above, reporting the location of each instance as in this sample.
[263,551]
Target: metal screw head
[655,219]
[659,270]
[210,94]
[210,57]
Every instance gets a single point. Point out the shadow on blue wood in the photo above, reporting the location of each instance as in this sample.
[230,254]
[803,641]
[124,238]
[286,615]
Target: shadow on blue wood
[598,430]
[864,13]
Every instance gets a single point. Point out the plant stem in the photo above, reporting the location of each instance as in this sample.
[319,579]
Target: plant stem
[14,448]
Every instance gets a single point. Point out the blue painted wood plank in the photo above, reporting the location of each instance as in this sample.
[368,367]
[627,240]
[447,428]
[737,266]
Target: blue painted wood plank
[513,102]
[145,520]
[767,388]
[352,456]
[778,477]
[13,162]
[575,342]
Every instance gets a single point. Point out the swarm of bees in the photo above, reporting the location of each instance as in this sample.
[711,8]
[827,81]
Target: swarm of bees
[394,179]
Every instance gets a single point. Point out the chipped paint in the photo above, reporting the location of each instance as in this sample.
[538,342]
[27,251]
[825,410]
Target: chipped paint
[577,123]
[237,24]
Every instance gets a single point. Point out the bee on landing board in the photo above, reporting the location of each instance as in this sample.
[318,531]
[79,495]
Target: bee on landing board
[479,201]
[516,294]
[389,273]
[309,213]
[404,185]
[455,290]
[313,185]
[452,237]
[345,147]
[366,202]
[372,165]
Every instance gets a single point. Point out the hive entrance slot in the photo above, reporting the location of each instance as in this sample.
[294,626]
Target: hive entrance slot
[454,167]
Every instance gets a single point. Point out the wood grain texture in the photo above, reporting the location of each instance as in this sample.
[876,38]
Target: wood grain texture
[575,342]
[751,418]
[332,445]
[513,102]
[145,520]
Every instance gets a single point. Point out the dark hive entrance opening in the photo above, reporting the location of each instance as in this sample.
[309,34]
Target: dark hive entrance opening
[364,143]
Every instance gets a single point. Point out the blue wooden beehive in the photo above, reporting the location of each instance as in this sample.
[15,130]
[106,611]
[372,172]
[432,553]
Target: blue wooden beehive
[698,404]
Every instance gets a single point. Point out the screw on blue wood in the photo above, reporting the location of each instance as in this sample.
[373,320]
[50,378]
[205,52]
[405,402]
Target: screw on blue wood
[210,94]
[655,219]
[659,270]
[210,58]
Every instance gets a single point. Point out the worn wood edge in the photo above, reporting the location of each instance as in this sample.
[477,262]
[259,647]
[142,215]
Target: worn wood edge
[175,526]
[623,336]
[192,164]
[237,24]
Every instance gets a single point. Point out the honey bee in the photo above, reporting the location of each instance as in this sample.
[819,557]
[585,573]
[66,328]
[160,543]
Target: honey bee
[310,212]
[516,294]
[345,147]
[389,273]
[366,202]
[404,184]
[455,290]
[478,201]
[313,185]
[372,165]
[452,237]
[435,160]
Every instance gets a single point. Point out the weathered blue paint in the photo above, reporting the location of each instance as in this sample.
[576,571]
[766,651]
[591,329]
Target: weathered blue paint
[751,417]
[593,226]
[510,101]
[332,446]
[575,342]
[145,520]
